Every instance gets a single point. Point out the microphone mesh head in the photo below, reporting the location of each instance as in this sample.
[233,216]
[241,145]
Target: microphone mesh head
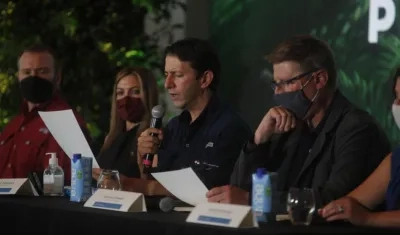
[167,204]
[158,111]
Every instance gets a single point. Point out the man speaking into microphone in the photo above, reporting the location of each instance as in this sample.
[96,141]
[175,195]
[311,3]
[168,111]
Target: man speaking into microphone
[208,135]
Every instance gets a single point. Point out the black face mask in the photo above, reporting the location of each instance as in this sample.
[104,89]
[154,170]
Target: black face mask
[36,89]
[296,101]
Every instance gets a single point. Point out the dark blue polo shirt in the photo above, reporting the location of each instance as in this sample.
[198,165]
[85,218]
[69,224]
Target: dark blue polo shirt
[210,145]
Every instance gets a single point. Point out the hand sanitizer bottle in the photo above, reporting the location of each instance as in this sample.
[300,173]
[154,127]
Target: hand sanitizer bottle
[53,177]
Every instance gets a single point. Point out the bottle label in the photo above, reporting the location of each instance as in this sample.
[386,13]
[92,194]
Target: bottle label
[53,184]
[58,185]
[48,181]
[261,198]
[258,198]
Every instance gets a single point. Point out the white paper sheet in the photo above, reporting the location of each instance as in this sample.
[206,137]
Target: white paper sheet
[66,131]
[183,184]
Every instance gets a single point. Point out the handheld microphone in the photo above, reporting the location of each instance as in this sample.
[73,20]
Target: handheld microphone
[157,114]
[168,204]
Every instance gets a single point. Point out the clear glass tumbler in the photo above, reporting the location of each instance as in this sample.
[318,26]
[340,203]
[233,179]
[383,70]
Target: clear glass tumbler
[109,179]
[300,205]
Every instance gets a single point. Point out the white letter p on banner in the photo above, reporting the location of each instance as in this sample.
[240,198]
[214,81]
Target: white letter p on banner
[376,25]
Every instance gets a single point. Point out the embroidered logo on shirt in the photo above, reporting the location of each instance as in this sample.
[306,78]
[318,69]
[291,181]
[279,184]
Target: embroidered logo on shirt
[44,130]
[210,144]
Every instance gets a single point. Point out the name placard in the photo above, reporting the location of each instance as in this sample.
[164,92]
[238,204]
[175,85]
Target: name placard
[225,215]
[183,208]
[117,201]
[19,186]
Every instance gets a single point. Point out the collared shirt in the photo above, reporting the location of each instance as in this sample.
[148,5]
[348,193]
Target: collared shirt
[210,145]
[25,141]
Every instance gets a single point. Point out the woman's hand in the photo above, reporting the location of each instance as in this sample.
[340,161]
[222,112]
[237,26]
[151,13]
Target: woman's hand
[346,208]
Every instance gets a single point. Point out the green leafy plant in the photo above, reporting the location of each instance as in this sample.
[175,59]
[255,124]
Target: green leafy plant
[363,78]
[93,40]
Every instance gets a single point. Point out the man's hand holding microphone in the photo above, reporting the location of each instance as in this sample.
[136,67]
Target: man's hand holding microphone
[149,142]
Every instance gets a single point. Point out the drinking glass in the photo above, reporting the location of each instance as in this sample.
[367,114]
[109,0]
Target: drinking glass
[300,205]
[109,179]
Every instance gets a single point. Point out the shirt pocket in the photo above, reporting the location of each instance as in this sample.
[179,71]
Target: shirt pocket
[30,156]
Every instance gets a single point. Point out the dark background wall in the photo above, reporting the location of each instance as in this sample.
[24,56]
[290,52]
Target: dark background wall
[245,31]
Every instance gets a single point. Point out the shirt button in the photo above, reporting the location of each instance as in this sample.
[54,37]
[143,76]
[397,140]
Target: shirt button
[187,145]
[2,142]
[15,146]
[22,128]
[27,142]
[9,165]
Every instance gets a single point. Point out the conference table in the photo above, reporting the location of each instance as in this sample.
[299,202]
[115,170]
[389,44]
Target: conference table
[57,216]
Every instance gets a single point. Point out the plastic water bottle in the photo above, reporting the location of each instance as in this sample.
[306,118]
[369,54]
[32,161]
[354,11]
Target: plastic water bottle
[261,194]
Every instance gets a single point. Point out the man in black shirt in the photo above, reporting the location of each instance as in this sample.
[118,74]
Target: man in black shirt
[315,138]
[208,135]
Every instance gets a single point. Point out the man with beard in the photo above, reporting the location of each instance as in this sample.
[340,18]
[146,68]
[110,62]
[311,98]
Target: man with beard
[25,141]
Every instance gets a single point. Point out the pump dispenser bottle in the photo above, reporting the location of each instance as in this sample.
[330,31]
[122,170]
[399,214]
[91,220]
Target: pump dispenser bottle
[53,177]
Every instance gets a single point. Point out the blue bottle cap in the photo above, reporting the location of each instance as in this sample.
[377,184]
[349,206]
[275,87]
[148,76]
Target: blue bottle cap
[261,172]
[76,157]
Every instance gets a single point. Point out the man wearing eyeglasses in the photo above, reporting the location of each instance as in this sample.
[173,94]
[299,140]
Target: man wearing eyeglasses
[314,137]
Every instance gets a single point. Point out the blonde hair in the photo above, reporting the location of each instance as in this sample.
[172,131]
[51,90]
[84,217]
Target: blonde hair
[149,92]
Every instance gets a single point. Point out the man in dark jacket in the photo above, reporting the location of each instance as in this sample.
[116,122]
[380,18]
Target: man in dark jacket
[315,138]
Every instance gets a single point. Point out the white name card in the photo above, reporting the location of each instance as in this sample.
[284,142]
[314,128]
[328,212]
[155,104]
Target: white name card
[19,186]
[225,215]
[183,208]
[117,201]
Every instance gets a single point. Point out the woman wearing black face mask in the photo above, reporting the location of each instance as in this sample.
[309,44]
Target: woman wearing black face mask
[135,94]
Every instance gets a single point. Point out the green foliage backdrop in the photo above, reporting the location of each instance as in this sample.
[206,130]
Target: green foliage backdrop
[250,29]
[93,39]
